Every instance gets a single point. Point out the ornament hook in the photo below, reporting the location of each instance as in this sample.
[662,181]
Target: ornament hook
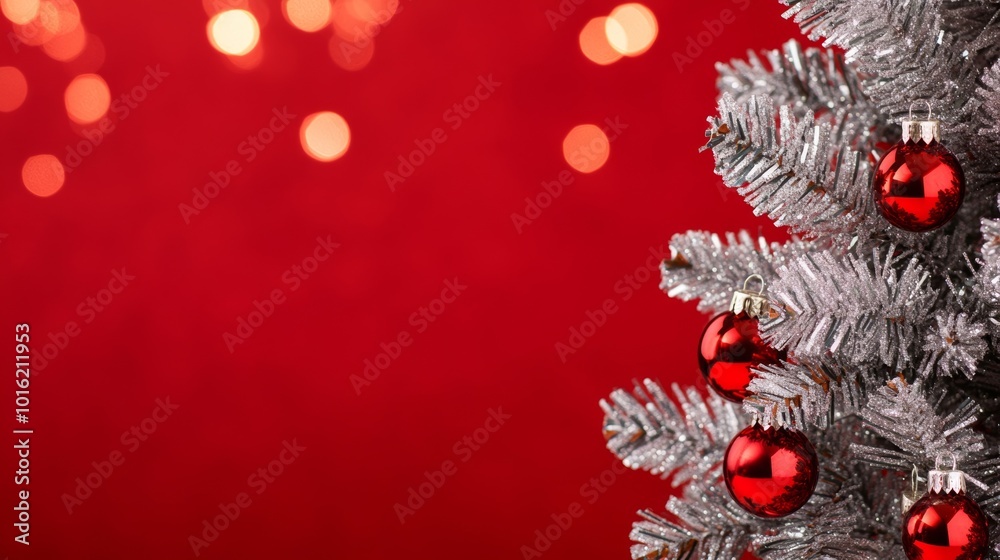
[915,479]
[937,461]
[759,279]
[930,109]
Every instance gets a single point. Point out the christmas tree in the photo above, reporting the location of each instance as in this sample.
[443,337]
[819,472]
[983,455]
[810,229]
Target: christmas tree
[875,339]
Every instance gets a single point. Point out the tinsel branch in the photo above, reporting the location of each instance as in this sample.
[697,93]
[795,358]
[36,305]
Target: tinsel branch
[901,414]
[708,526]
[808,80]
[806,393]
[706,267]
[801,177]
[863,310]
[648,431]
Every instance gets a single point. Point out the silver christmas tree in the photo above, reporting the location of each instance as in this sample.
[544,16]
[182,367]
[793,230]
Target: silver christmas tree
[892,336]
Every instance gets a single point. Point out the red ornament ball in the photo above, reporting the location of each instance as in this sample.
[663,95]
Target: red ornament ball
[945,526]
[918,186]
[771,472]
[731,345]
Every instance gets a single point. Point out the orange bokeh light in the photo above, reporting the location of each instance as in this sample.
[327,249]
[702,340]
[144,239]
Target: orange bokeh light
[234,32]
[19,11]
[325,136]
[308,15]
[59,16]
[13,88]
[68,46]
[631,29]
[586,148]
[350,55]
[594,43]
[372,11]
[43,175]
[87,98]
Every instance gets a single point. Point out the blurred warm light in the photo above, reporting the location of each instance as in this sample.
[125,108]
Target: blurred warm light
[631,29]
[68,46]
[13,88]
[19,11]
[248,61]
[594,43]
[32,34]
[345,23]
[43,175]
[350,55]
[234,32]
[371,11]
[586,148]
[307,15]
[87,98]
[59,16]
[325,136]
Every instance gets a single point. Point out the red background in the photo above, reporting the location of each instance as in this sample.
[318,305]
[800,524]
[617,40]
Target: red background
[493,347]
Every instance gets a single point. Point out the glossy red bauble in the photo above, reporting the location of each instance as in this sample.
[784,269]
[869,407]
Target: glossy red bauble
[945,527]
[731,345]
[918,186]
[771,472]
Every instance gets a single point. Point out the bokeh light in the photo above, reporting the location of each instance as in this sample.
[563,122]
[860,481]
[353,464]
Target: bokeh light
[19,11]
[68,46]
[362,20]
[631,29]
[351,55]
[248,61]
[59,16]
[325,136]
[43,175]
[87,98]
[308,15]
[13,88]
[372,11]
[234,32]
[586,148]
[594,43]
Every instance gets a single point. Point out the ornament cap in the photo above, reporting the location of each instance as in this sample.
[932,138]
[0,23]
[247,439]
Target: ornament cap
[754,304]
[946,481]
[928,130]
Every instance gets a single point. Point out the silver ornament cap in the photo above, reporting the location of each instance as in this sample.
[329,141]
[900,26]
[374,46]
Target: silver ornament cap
[946,481]
[928,130]
[754,304]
